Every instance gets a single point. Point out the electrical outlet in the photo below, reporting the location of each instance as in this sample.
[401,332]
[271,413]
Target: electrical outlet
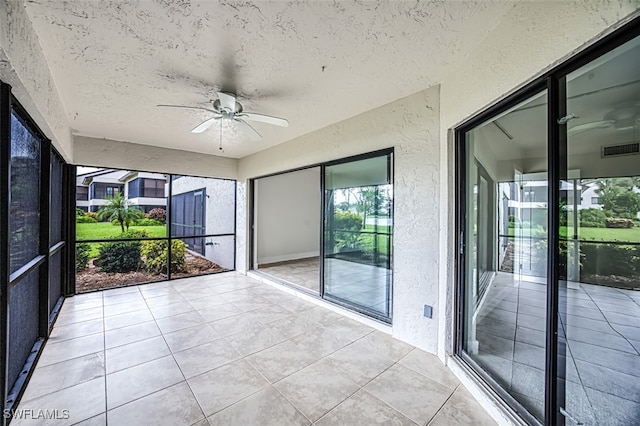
[428,311]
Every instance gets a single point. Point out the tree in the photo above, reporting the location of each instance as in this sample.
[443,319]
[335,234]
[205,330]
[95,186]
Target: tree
[618,196]
[118,208]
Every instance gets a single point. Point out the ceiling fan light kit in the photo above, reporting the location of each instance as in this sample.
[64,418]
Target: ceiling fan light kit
[226,107]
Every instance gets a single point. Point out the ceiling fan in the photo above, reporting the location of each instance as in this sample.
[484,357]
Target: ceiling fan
[226,107]
[624,116]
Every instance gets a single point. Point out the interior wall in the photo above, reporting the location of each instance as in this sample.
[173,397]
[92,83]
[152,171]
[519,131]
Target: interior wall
[29,76]
[124,155]
[288,216]
[411,126]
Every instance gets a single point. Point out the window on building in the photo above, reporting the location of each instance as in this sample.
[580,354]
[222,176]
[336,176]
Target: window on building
[82,193]
[153,188]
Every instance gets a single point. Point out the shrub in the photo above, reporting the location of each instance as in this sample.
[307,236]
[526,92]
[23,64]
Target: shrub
[79,212]
[593,218]
[155,254]
[93,215]
[157,214]
[147,222]
[618,222]
[347,221]
[82,255]
[85,219]
[121,256]
[611,259]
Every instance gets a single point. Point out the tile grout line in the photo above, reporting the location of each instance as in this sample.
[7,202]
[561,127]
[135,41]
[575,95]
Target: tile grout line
[442,406]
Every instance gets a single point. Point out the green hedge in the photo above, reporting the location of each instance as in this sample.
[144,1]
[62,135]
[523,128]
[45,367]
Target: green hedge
[155,254]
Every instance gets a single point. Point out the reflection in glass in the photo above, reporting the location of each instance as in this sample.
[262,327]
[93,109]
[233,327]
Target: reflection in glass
[599,312]
[24,214]
[358,233]
[506,250]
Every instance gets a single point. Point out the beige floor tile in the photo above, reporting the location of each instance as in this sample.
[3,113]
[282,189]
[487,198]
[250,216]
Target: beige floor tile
[320,342]
[430,366]
[224,386]
[124,308]
[173,406]
[191,337]
[279,361]
[80,329]
[126,385]
[364,409]
[265,408]
[55,352]
[359,365]
[136,353]
[399,386]
[316,389]
[99,420]
[254,340]
[131,334]
[82,401]
[52,378]
[462,409]
[171,309]
[206,357]
[179,322]
[235,324]
[72,317]
[128,319]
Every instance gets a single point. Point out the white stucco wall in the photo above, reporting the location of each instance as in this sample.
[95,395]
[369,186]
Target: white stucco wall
[219,215]
[30,77]
[411,126]
[288,216]
[132,156]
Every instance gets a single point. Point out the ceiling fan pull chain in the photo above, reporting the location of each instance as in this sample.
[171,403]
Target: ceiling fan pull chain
[220,147]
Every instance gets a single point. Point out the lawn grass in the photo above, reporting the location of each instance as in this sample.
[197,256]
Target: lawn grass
[591,234]
[105,230]
[605,234]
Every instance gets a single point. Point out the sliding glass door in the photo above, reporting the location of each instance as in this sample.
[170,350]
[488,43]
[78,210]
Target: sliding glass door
[506,256]
[549,267]
[358,219]
[599,301]
[328,230]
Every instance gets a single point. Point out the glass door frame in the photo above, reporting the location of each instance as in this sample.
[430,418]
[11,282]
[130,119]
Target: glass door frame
[554,81]
[252,239]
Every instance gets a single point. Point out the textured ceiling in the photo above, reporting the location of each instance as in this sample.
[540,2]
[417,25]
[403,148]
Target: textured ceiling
[312,62]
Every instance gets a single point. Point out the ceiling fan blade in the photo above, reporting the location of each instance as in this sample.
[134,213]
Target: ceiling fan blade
[602,124]
[205,125]
[190,107]
[227,100]
[248,130]
[265,119]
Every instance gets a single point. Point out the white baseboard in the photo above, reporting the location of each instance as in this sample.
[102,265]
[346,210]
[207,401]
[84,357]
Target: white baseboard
[286,257]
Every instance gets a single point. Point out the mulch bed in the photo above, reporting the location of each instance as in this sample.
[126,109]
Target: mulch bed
[91,278]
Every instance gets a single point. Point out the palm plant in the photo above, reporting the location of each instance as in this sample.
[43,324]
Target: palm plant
[118,208]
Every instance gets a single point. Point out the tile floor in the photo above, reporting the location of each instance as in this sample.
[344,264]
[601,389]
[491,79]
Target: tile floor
[302,272]
[365,285]
[600,346]
[227,349]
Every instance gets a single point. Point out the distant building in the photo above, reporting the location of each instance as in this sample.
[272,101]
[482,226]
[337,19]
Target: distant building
[146,191]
